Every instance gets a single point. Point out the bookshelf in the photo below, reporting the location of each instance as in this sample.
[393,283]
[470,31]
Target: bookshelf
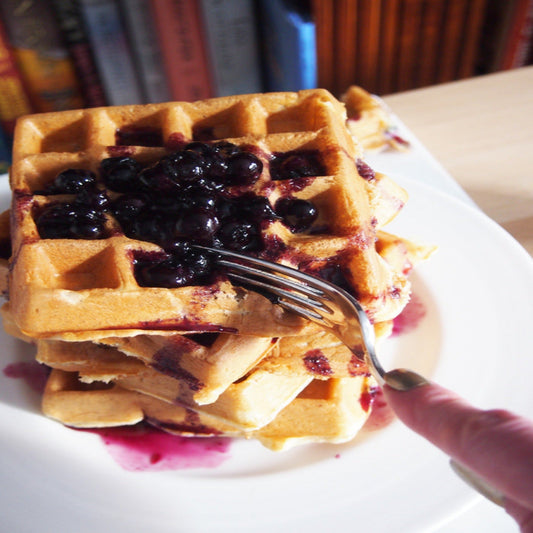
[116,52]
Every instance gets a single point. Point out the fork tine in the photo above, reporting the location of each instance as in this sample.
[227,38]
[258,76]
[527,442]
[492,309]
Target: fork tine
[299,286]
[307,305]
[311,283]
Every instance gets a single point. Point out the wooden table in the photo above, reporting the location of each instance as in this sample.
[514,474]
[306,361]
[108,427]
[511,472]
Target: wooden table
[481,131]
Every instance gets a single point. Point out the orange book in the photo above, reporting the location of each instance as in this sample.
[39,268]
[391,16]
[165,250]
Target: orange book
[346,51]
[42,59]
[182,43]
[389,35]
[368,44]
[14,101]
[409,44]
[430,42]
[323,15]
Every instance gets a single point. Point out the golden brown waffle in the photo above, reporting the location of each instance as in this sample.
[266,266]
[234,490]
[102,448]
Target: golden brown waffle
[72,285]
[249,403]
[327,411]
[369,122]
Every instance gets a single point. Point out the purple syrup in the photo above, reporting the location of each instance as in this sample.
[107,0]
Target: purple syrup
[381,414]
[142,448]
[32,372]
[409,318]
[317,363]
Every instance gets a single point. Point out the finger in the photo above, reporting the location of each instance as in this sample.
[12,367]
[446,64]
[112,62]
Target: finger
[495,444]
[522,515]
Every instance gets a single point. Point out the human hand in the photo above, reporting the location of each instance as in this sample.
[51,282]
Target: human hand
[495,445]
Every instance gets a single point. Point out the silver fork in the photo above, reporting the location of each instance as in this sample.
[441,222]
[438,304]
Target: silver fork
[310,297]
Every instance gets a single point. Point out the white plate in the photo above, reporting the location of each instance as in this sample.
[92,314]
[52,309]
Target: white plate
[475,338]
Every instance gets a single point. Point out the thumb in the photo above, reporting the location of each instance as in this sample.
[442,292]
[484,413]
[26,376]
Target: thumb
[496,444]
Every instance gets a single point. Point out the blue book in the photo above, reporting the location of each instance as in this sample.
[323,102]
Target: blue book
[5,152]
[288,32]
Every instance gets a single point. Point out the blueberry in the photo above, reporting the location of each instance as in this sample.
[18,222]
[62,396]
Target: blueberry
[365,171]
[185,266]
[159,178]
[244,168]
[72,180]
[240,236]
[256,208]
[186,166]
[197,224]
[120,173]
[296,213]
[94,198]
[296,164]
[67,221]
[128,207]
[225,148]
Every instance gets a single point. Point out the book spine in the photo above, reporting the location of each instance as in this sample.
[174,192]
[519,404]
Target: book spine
[182,44]
[14,100]
[368,31]
[390,29]
[323,16]
[346,44]
[43,61]
[76,40]
[290,44]
[111,51]
[142,37]
[231,34]
[518,42]
[5,151]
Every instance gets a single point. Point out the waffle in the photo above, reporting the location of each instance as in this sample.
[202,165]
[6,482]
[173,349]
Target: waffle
[204,357]
[369,121]
[80,285]
[322,412]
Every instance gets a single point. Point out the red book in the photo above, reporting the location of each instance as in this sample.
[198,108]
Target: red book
[518,41]
[14,101]
[182,42]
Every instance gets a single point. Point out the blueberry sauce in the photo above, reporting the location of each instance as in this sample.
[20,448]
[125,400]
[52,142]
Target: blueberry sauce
[198,193]
[411,316]
[143,448]
[32,372]
[317,363]
[381,414]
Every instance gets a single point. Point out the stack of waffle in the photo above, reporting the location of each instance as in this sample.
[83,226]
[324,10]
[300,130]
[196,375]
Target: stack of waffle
[92,274]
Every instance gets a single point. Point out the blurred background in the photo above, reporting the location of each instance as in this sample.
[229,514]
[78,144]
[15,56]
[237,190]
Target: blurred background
[68,54]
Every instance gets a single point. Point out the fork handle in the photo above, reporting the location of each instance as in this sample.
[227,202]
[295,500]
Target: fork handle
[492,448]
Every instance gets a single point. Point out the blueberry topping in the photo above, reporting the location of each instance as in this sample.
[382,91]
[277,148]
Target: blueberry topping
[240,236]
[297,164]
[72,181]
[365,171]
[68,221]
[296,213]
[120,173]
[244,168]
[185,266]
[198,224]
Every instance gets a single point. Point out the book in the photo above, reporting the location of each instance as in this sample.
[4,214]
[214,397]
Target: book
[14,100]
[518,34]
[141,32]
[323,18]
[409,44]
[430,39]
[111,52]
[181,40]
[76,40]
[475,16]
[43,61]
[232,43]
[368,44]
[345,45]
[390,28]
[289,41]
